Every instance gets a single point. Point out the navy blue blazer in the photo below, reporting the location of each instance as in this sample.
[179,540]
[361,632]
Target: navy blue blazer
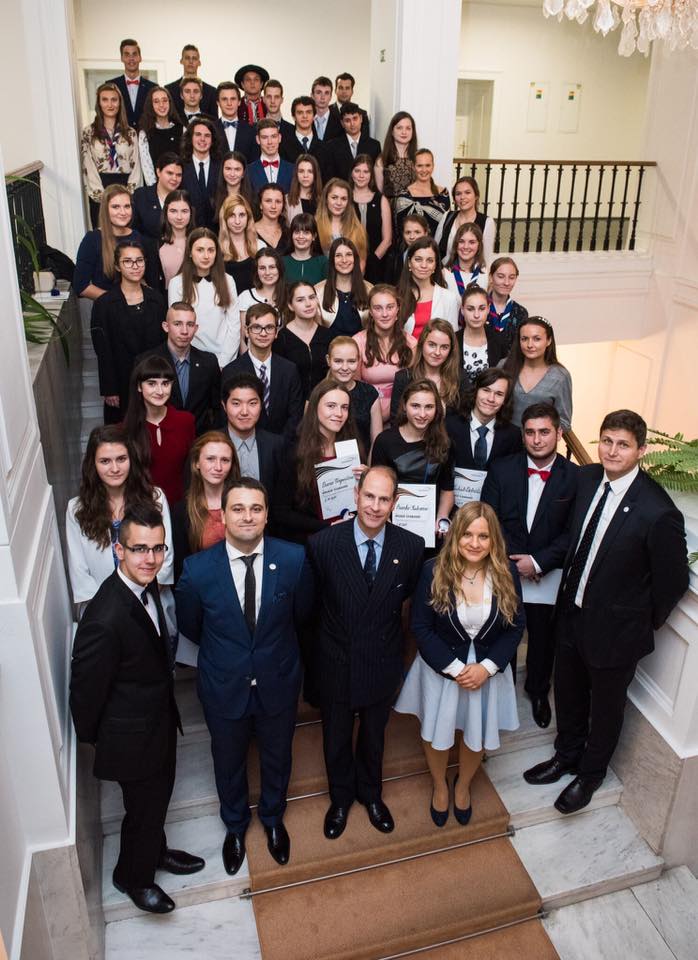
[203,203]
[245,140]
[507,440]
[133,114]
[209,99]
[506,491]
[285,393]
[147,212]
[258,178]
[209,614]
[441,638]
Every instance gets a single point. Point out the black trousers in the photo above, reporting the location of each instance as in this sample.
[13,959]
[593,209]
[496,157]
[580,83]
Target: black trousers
[142,829]
[589,702]
[541,648]
[354,774]
[230,741]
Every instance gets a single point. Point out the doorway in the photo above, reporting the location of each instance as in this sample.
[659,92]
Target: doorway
[474,118]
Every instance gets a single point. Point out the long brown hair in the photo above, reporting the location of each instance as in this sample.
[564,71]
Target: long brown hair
[399,348]
[122,127]
[288,315]
[479,259]
[436,441]
[515,361]
[359,292]
[176,196]
[446,587]
[197,509]
[311,443]
[352,227]
[151,367]
[449,371]
[104,225]
[389,153]
[219,278]
[408,289]
[148,119]
[228,248]
[294,191]
[92,514]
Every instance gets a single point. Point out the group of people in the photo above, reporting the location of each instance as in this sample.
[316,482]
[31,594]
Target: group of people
[201,535]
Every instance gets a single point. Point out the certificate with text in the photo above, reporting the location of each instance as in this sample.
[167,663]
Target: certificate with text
[467,484]
[415,510]
[335,484]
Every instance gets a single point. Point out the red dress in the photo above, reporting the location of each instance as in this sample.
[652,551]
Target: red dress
[168,457]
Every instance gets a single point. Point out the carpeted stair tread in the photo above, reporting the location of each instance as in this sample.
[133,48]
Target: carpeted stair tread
[525,941]
[361,844]
[416,903]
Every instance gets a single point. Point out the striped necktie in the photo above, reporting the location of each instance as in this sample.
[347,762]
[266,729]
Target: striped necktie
[265,385]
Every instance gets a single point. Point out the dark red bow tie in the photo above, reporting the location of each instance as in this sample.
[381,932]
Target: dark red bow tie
[270,163]
[543,474]
[131,83]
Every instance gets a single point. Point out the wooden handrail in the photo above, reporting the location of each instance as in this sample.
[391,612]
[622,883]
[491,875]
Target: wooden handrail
[24,171]
[561,163]
[575,448]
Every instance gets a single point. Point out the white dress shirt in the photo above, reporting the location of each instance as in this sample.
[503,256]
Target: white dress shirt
[456,666]
[272,173]
[536,486]
[618,490]
[238,569]
[230,133]
[258,363]
[137,590]
[305,136]
[132,89]
[353,145]
[207,165]
[475,436]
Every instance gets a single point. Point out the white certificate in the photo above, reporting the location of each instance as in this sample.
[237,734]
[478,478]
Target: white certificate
[335,484]
[467,484]
[416,510]
[543,590]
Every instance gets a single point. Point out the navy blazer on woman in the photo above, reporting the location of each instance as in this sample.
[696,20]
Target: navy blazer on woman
[209,614]
[441,638]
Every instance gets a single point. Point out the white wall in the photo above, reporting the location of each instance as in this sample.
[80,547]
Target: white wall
[229,35]
[514,44]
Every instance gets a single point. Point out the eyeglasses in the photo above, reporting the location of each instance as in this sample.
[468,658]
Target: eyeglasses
[157,551]
[258,328]
[128,262]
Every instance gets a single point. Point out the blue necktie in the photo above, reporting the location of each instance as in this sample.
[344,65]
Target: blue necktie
[304,141]
[370,564]
[229,123]
[480,451]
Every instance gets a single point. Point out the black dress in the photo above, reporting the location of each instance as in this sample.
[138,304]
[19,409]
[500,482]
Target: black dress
[408,460]
[362,398]
[241,271]
[164,141]
[371,217]
[311,359]
[347,320]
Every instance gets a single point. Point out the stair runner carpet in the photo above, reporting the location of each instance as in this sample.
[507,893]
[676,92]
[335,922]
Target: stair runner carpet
[355,898]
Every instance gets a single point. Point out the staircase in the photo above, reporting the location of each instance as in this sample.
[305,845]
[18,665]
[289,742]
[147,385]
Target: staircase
[371,896]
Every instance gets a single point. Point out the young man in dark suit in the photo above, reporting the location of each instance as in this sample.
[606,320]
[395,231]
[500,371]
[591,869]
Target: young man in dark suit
[260,453]
[273,99]
[327,124]
[270,168]
[344,84]
[303,139]
[232,132]
[364,571]
[533,494]
[134,88]
[342,151]
[282,391]
[148,202]
[197,384]
[201,156]
[192,89]
[481,431]
[625,570]
[241,601]
[191,64]
[122,702]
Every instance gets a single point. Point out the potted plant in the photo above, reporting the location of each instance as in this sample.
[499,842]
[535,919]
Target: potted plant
[675,467]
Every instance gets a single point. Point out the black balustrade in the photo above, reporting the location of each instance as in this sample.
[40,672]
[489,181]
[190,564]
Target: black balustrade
[26,219]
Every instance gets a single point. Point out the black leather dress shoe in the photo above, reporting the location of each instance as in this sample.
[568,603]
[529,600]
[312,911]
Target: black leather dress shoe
[278,843]
[549,771]
[577,794]
[151,899]
[181,862]
[335,821]
[380,816]
[233,852]
[541,711]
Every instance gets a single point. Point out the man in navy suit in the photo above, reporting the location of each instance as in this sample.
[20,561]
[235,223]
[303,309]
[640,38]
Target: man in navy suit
[327,123]
[201,155]
[303,138]
[533,494]
[191,64]
[342,151]
[148,202]
[344,92]
[364,571]
[273,99]
[270,168]
[281,384]
[134,88]
[240,601]
[232,132]
[625,570]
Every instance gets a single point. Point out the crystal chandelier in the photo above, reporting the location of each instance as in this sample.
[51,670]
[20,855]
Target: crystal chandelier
[675,21]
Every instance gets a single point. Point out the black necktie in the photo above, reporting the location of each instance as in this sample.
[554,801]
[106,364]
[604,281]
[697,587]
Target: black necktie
[370,563]
[250,610]
[202,178]
[304,141]
[152,593]
[574,574]
[480,451]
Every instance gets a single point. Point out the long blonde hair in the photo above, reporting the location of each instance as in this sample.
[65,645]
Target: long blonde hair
[228,248]
[104,225]
[351,227]
[446,588]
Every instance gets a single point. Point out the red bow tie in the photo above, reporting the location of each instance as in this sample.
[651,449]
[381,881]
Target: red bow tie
[270,163]
[543,474]
[130,83]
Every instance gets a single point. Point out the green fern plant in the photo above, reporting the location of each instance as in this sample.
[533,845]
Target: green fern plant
[675,466]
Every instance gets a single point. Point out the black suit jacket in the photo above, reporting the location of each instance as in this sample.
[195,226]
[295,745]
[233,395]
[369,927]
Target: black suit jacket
[209,99]
[204,395]
[359,639]
[147,212]
[121,692]
[285,393]
[291,149]
[507,440]
[334,126]
[334,109]
[245,140]
[203,202]
[506,491]
[133,115]
[639,573]
[339,157]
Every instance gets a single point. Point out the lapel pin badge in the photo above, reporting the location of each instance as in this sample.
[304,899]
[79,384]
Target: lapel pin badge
[395,560]
[626,509]
[272,566]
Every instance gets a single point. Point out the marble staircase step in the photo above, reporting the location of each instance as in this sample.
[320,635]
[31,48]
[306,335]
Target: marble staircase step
[574,858]
[671,903]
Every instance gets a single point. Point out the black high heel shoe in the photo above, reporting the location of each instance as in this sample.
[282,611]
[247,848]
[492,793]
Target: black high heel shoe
[461,815]
[438,816]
